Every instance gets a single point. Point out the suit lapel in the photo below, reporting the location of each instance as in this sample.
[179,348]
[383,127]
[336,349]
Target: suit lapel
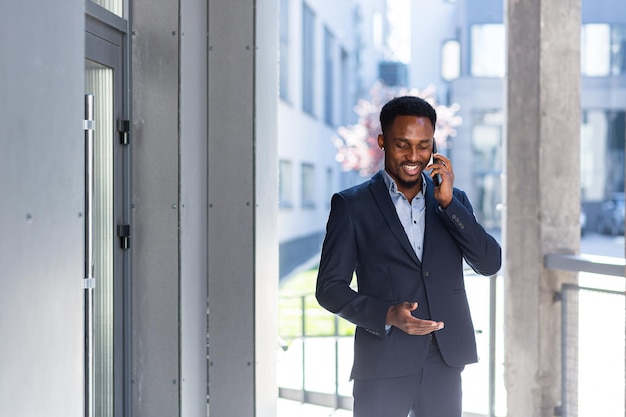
[430,225]
[383,200]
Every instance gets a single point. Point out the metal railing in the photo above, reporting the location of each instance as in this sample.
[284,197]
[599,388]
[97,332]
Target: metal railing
[317,348]
[593,336]
[304,376]
[315,363]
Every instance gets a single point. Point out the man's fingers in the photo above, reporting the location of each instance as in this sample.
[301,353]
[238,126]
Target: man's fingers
[411,306]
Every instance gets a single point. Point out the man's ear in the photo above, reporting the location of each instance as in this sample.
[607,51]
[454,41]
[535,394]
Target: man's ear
[381,141]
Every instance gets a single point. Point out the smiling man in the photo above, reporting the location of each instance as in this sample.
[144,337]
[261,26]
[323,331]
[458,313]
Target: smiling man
[406,239]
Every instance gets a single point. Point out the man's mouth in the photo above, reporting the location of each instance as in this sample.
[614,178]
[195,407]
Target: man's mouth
[411,169]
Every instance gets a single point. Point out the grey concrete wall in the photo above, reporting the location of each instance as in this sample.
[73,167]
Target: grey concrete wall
[204,211]
[41,219]
[155,208]
[193,208]
[243,272]
[543,193]
[231,208]
[265,145]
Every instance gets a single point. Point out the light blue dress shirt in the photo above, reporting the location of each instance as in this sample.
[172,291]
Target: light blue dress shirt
[412,214]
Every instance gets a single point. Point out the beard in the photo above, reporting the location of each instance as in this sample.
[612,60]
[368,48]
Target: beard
[409,184]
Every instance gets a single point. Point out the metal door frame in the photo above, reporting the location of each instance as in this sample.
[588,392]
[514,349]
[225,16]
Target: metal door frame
[106,42]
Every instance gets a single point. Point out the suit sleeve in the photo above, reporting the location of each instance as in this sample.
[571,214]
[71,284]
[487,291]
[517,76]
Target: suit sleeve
[337,265]
[480,250]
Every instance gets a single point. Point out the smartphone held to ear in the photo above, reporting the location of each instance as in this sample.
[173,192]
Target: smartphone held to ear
[437,177]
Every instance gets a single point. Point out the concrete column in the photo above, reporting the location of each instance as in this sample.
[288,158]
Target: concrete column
[242,216]
[543,193]
[42,217]
[155,309]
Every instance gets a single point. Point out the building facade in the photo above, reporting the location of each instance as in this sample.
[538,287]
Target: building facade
[329,56]
[460,47]
[187,204]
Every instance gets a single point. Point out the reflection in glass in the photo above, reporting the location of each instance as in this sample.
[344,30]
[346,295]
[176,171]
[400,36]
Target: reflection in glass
[99,82]
[284,50]
[595,50]
[618,50]
[308,185]
[487,152]
[114,6]
[308,51]
[450,60]
[488,50]
[285,184]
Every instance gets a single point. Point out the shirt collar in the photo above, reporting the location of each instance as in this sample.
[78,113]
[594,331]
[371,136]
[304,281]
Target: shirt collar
[393,187]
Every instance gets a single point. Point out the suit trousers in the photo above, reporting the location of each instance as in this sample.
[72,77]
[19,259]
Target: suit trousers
[435,391]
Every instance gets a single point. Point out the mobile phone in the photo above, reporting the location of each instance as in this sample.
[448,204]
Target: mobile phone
[437,177]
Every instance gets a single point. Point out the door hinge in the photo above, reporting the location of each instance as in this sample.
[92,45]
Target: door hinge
[123,232]
[123,128]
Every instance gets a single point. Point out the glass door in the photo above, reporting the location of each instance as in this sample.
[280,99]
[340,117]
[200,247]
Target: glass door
[104,80]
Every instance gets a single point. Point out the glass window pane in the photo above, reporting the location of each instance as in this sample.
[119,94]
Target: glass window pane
[329,185]
[488,50]
[618,50]
[99,83]
[487,155]
[329,76]
[308,49]
[308,185]
[450,60]
[114,6]
[593,133]
[285,184]
[595,50]
[284,50]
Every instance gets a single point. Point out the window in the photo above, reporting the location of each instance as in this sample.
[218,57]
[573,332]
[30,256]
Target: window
[308,185]
[487,160]
[329,76]
[284,50]
[285,184]
[596,50]
[377,32]
[603,50]
[618,50]
[308,48]
[602,153]
[488,57]
[329,185]
[344,99]
[114,6]
[450,60]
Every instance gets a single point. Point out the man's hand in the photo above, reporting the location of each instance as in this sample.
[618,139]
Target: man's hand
[442,166]
[400,316]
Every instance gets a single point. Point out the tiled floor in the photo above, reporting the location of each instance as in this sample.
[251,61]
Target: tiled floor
[288,408]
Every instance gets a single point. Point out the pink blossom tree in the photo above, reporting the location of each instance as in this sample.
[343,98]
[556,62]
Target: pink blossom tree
[357,145]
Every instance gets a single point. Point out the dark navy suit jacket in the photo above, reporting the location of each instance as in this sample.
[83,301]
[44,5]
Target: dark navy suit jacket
[364,234]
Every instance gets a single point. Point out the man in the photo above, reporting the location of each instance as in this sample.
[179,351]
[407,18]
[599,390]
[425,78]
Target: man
[406,239]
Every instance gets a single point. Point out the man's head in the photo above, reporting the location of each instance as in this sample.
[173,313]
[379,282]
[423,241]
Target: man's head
[406,106]
[408,125]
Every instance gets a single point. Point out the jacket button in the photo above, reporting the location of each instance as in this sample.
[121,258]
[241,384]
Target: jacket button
[426,273]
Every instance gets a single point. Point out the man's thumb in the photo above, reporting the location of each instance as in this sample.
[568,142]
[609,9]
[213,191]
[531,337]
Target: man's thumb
[412,306]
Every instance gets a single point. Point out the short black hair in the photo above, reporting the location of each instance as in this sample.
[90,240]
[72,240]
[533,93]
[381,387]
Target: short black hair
[406,106]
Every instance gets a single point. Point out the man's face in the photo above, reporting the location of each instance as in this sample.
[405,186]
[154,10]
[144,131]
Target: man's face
[408,147]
